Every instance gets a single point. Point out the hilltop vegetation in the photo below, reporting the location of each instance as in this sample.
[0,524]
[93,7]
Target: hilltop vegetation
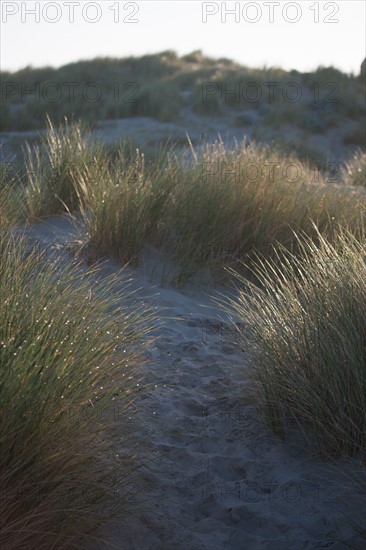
[163,85]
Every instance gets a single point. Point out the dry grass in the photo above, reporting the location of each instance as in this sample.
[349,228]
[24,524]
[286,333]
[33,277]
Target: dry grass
[354,171]
[11,199]
[50,167]
[209,207]
[212,209]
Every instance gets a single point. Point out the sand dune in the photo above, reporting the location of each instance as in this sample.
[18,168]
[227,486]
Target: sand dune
[219,479]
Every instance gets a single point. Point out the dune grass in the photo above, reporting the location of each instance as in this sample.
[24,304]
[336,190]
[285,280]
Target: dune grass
[305,332]
[50,166]
[11,203]
[205,208]
[70,353]
[231,203]
[121,206]
[208,208]
[150,85]
[218,209]
[354,171]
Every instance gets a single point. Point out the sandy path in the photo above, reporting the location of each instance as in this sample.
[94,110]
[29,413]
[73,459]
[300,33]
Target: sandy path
[220,479]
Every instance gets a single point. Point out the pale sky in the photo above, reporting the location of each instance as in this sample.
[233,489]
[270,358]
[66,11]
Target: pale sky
[302,34]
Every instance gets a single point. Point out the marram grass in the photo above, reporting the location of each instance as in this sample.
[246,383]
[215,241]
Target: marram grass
[213,209]
[51,165]
[354,171]
[70,353]
[305,332]
[11,204]
[205,208]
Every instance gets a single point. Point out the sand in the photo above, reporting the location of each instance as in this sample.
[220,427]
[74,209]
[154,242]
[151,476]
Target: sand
[326,147]
[219,479]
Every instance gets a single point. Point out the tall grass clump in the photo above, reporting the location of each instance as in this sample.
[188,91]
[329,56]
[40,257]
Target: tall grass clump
[51,166]
[210,206]
[229,203]
[305,331]
[354,171]
[123,202]
[11,204]
[206,207]
[70,352]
